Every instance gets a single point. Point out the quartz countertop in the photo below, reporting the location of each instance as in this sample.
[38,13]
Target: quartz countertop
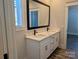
[42,35]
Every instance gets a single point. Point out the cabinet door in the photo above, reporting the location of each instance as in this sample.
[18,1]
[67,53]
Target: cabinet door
[45,50]
[32,49]
[52,43]
[57,39]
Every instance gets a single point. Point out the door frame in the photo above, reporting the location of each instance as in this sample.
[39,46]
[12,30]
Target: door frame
[1,41]
[66,16]
[2,28]
[1,36]
[10,28]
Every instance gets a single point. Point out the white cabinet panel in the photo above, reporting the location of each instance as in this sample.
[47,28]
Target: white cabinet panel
[45,50]
[44,41]
[32,49]
[57,39]
[52,41]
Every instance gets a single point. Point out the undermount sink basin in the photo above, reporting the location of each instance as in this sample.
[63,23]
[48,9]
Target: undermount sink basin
[39,35]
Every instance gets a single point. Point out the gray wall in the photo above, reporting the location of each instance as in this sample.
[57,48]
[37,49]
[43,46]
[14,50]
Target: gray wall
[73,20]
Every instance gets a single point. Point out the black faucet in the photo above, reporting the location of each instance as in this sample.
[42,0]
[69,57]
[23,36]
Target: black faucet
[47,28]
[35,32]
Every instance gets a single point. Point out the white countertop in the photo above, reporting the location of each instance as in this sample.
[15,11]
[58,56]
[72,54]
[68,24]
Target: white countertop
[41,36]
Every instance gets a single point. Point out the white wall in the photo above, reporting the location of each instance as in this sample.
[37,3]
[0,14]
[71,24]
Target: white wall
[46,1]
[58,19]
[20,36]
[20,44]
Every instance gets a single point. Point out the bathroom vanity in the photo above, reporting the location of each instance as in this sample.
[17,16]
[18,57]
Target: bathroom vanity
[41,45]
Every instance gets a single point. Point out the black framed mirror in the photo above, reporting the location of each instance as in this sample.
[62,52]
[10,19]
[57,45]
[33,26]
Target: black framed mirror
[38,14]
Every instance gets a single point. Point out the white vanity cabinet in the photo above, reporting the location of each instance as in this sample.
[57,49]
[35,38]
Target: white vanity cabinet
[41,49]
[45,48]
[54,42]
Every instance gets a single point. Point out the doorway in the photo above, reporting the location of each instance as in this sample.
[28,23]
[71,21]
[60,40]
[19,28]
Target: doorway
[72,27]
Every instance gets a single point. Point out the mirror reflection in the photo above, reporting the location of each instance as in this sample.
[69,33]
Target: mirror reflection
[38,14]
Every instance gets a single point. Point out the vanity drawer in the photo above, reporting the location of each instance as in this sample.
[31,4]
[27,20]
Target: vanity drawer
[44,41]
[52,39]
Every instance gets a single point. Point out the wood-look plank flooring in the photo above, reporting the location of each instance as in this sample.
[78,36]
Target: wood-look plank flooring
[63,54]
[70,53]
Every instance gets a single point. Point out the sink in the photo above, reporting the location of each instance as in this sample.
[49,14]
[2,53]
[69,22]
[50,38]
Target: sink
[42,34]
[39,35]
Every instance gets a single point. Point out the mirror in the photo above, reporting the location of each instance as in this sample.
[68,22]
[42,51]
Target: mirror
[38,14]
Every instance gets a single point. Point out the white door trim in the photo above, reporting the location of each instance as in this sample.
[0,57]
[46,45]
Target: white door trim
[1,41]
[66,15]
[10,28]
[3,45]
